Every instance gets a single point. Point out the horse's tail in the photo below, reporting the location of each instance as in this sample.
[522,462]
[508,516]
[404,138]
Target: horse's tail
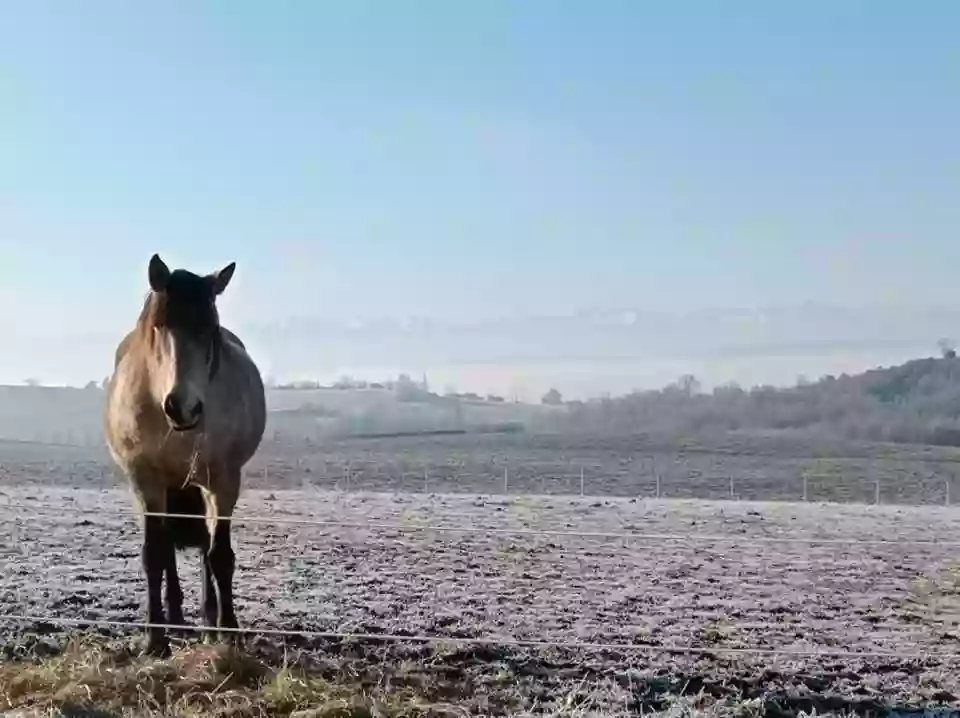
[187,532]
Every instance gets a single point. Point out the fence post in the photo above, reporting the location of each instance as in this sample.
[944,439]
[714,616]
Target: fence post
[731,487]
[658,486]
[506,480]
[581,481]
[804,487]
[946,492]
[876,492]
[425,481]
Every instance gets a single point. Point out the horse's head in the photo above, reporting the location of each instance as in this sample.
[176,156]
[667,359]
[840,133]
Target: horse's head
[182,330]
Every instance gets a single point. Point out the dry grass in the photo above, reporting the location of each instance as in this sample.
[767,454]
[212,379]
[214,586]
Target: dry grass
[98,678]
[92,678]
[935,597]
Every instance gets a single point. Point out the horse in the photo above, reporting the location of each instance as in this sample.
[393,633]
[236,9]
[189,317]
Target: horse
[185,411]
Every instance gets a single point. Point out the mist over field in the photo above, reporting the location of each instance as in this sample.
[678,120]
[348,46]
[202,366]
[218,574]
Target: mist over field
[585,355]
[915,401]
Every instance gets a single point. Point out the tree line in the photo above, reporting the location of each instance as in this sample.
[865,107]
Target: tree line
[916,402]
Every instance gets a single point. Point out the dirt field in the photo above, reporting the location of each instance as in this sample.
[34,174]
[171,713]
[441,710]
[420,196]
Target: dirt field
[762,468]
[736,575]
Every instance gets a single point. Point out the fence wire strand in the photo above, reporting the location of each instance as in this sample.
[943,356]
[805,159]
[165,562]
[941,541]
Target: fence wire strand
[413,526]
[707,620]
[486,641]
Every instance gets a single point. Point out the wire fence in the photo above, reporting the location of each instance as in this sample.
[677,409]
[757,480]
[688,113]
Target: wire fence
[21,511]
[654,540]
[705,620]
[547,466]
[884,487]
[413,526]
[498,641]
[748,479]
[884,484]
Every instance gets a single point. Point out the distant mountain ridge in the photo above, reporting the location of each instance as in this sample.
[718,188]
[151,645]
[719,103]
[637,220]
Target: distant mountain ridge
[607,334]
[611,349]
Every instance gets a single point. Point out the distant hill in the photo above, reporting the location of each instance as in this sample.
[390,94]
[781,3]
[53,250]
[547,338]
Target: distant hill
[70,416]
[916,402]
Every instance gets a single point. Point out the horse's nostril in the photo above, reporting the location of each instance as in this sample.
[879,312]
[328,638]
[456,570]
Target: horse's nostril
[172,408]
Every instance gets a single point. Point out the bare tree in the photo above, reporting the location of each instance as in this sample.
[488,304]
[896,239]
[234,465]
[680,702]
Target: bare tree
[688,384]
[552,398]
[947,348]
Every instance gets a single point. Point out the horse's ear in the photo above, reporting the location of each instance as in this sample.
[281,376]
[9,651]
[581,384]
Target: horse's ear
[159,274]
[222,278]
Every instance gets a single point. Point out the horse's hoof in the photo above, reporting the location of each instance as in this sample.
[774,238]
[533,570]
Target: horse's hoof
[180,625]
[176,618]
[157,648]
[234,639]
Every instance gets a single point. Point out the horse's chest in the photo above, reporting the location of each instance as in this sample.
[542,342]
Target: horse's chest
[139,440]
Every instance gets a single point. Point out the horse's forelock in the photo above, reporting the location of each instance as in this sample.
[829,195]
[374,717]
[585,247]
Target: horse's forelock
[187,297]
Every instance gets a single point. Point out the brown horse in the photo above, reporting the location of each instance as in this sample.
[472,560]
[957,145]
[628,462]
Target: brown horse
[185,411]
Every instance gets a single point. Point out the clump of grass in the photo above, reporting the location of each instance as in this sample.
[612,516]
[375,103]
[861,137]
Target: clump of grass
[717,632]
[524,509]
[93,679]
[936,599]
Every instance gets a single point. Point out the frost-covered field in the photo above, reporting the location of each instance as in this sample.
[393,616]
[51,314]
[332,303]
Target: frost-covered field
[707,575]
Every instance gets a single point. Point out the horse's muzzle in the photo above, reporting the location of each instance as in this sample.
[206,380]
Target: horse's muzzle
[185,427]
[182,418]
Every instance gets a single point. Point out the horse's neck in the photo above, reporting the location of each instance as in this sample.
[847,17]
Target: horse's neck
[124,347]
[232,338]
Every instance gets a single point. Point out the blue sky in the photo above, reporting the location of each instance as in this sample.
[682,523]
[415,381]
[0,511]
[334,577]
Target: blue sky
[476,159]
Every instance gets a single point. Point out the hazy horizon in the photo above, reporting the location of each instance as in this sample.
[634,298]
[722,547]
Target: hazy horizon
[586,380]
[504,196]
[582,357]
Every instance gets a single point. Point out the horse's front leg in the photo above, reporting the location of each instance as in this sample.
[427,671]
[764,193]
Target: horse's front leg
[222,564]
[208,597]
[174,597]
[154,556]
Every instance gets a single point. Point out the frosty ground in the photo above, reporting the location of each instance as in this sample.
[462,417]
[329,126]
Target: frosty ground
[706,575]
